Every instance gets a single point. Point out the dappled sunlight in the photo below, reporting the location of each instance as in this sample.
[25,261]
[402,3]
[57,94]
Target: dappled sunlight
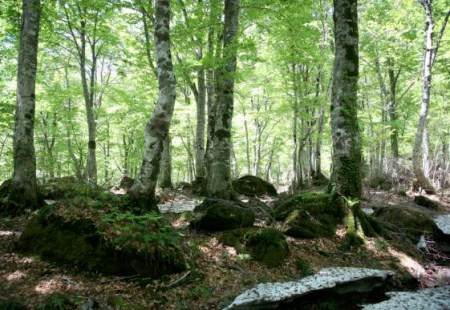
[7,233]
[47,287]
[56,283]
[412,266]
[15,276]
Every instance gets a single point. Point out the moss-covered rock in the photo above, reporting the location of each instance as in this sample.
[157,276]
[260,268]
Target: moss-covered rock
[311,202]
[268,246]
[426,202]
[410,222]
[302,224]
[252,186]
[106,241]
[219,215]
[262,210]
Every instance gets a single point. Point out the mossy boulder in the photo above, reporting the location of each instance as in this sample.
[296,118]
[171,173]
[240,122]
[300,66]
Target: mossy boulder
[426,202]
[5,187]
[410,222]
[311,202]
[268,246]
[198,186]
[67,187]
[126,183]
[253,186]
[381,181]
[261,209]
[219,215]
[302,224]
[105,240]
[309,215]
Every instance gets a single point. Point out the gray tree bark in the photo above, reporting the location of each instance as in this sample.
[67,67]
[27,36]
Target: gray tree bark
[23,190]
[429,57]
[347,157]
[165,176]
[219,182]
[142,193]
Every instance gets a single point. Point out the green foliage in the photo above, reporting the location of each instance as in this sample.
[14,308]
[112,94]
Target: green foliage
[12,304]
[303,267]
[59,301]
[201,292]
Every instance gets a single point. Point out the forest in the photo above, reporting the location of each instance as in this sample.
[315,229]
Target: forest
[224,154]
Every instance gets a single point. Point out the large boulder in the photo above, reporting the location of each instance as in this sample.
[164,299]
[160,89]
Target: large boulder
[268,246]
[409,222]
[219,215]
[261,209]
[340,287]
[437,298]
[302,224]
[310,215]
[106,241]
[426,202]
[252,186]
[312,202]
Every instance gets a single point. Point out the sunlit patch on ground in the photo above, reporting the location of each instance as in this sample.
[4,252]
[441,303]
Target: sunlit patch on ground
[58,283]
[15,276]
[47,286]
[412,266]
[7,233]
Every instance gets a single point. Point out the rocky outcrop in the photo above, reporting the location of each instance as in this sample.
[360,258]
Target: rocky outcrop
[252,186]
[220,215]
[437,298]
[335,284]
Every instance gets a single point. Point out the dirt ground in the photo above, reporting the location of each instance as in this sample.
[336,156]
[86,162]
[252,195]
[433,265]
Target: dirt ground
[217,274]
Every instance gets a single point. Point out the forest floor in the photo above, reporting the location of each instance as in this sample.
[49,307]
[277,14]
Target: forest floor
[218,273]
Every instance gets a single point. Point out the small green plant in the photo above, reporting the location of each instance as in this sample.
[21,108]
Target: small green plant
[381,244]
[265,278]
[201,292]
[303,267]
[12,304]
[58,301]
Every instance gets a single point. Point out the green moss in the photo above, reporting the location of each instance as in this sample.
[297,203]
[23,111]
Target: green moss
[304,224]
[315,203]
[113,243]
[59,301]
[303,267]
[268,246]
[12,304]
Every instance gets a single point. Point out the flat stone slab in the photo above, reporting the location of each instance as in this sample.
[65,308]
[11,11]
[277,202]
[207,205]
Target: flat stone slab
[177,206]
[437,298]
[270,295]
[443,223]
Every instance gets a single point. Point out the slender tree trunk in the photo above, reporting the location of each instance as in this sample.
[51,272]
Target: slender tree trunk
[143,190]
[247,142]
[429,57]
[393,111]
[347,157]
[295,131]
[200,130]
[23,190]
[219,183]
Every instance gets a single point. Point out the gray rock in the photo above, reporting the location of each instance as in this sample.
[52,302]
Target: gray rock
[443,223]
[270,295]
[437,298]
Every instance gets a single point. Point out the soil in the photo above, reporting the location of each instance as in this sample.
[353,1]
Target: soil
[217,273]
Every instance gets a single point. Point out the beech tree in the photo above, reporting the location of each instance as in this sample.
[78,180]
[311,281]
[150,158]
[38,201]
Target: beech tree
[219,178]
[23,190]
[143,190]
[346,175]
[429,60]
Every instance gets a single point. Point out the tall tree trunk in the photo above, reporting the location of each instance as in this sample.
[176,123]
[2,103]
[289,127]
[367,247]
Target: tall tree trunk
[393,110]
[347,157]
[429,57]
[200,129]
[143,190]
[219,182]
[294,184]
[165,176]
[23,190]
